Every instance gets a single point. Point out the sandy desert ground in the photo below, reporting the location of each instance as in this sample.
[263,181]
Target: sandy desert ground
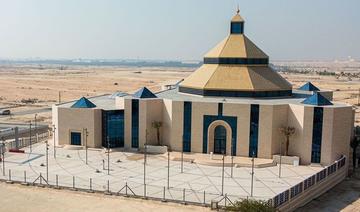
[45,83]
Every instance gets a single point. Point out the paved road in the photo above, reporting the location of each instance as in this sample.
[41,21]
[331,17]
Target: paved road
[34,111]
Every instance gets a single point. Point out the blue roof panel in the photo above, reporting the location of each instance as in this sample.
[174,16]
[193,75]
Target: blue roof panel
[144,93]
[309,87]
[83,103]
[317,99]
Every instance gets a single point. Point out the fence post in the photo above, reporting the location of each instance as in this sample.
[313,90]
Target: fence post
[9,177]
[57,181]
[126,188]
[74,188]
[225,199]
[144,191]
[108,188]
[24,183]
[184,202]
[40,179]
[90,185]
[204,198]
[163,200]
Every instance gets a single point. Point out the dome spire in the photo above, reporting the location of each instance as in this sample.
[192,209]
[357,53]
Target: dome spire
[237,23]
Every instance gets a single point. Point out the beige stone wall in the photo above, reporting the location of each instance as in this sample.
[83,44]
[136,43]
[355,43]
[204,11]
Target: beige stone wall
[242,112]
[167,122]
[279,119]
[199,109]
[301,118]
[173,113]
[120,103]
[127,123]
[150,110]
[75,120]
[337,129]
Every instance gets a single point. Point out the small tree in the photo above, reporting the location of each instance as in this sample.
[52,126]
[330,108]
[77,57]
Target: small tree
[251,205]
[287,132]
[355,142]
[157,125]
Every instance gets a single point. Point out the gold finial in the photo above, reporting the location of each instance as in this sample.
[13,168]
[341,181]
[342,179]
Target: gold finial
[238,9]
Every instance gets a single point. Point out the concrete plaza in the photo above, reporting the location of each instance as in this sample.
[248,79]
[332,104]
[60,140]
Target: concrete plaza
[70,169]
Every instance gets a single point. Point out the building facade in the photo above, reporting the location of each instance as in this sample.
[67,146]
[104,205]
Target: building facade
[234,104]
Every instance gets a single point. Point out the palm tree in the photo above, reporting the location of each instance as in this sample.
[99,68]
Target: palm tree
[287,132]
[355,142]
[157,125]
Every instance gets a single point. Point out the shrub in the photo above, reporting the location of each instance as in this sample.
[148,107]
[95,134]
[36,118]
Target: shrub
[248,205]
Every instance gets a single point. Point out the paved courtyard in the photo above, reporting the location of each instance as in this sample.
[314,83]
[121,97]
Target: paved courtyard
[127,168]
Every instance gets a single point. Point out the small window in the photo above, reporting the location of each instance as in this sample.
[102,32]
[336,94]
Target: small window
[76,138]
[237,28]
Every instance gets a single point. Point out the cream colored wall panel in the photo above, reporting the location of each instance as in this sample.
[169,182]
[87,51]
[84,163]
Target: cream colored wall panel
[74,119]
[199,109]
[242,112]
[342,128]
[280,119]
[177,126]
[127,127]
[327,136]
[265,131]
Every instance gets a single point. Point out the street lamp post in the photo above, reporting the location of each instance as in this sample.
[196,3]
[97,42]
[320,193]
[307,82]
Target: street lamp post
[182,156]
[86,147]
[54,128]
[145,148]
[280,160]
[252,174]
[3,156]
[108,155]
[47,161]
[168,172]
[222,176]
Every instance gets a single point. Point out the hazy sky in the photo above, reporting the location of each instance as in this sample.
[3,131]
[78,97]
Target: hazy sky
[176,29]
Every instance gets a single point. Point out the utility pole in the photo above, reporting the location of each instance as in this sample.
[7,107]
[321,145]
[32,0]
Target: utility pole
[54,128]
[252,174]
[30,137]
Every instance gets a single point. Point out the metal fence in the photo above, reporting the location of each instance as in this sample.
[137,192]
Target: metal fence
[286,196]
[119,188]
[26,141]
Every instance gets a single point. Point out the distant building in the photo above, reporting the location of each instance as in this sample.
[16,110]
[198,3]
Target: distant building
[234,104]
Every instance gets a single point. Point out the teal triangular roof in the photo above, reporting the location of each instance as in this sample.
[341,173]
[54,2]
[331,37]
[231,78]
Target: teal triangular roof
[83,103]
[317,99]
[309,87]
[144,93]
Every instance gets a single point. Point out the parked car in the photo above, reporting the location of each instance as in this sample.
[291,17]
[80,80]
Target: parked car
[5,112]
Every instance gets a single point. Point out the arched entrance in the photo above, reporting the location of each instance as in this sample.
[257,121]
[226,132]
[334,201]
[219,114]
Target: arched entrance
[220,140]
[219,134]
